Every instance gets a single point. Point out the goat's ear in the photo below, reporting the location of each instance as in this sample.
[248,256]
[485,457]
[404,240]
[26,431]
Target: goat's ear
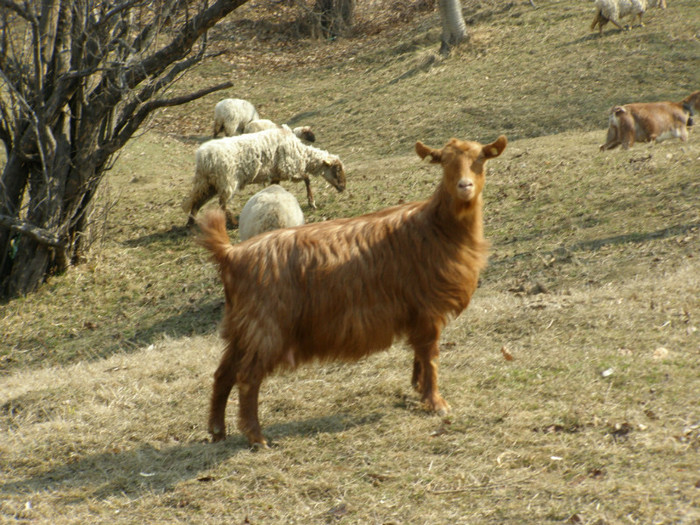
[495,148]
[423,151]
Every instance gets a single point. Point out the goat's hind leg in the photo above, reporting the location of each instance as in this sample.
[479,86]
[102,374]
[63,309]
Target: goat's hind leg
[248,422]
[224,379]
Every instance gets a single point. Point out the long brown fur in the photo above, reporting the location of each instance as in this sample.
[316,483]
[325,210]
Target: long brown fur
[346,288]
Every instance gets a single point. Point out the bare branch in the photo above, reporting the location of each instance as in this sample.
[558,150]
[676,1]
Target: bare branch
[155,87]
[16,8]
[38,234]
[182,43]
[135,121]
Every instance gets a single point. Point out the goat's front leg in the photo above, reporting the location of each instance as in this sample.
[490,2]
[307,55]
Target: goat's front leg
[425,368]
[416,378]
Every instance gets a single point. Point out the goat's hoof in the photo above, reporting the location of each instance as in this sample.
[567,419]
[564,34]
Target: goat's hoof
[259,445]
[437,405]
[217,433]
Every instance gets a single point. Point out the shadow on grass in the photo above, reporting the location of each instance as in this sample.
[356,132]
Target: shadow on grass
[591,36]
[147,469]
[198,319]
[615,240]
[596,244]
[176,233]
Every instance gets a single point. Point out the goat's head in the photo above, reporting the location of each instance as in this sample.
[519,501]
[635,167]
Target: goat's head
[333,171]
[463,163]
[691,103]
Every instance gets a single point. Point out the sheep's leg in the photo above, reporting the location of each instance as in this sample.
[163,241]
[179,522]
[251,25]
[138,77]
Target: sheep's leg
[198,201]
[309,193]
[248,423]
[224,379]
[599,21]
[224,197]
[617,24]
[425,367]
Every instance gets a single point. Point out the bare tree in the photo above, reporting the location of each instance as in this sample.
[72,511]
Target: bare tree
[77,79]
[454,30]
[335,17]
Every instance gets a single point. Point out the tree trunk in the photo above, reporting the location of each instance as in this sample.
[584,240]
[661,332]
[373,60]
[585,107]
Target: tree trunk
[454,30]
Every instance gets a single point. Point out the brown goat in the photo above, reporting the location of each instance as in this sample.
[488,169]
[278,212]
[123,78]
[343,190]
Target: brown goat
[346,288]
[651,121]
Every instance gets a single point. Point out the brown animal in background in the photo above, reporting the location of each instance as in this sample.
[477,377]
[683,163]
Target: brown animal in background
[346,288]
[651,121]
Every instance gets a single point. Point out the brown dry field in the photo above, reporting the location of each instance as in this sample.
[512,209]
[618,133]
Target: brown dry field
[592,292]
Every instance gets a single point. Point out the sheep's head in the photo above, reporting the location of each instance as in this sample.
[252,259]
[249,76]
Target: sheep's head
[463,163]
[333,171]
[305,133]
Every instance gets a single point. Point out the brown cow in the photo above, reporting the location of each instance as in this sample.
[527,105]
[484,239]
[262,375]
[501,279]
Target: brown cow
[346,288]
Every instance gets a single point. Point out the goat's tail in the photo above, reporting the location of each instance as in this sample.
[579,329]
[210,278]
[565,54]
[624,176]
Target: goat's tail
[214,237]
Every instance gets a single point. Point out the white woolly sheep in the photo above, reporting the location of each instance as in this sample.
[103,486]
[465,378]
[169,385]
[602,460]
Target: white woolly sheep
[223,166]
[303,132]
[269,209]
[231,115]
[615,10]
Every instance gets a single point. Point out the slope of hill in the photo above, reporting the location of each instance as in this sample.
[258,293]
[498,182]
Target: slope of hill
[593,289]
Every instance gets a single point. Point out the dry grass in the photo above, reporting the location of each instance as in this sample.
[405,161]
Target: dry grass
[593,289]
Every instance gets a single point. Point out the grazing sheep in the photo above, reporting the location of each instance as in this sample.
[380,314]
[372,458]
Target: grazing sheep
[231,115]
[651,121]
[346,288]
[223,166]
[269,209]
[615,10]
[303,132]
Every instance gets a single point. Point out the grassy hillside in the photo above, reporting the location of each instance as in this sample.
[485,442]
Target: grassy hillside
[593,288]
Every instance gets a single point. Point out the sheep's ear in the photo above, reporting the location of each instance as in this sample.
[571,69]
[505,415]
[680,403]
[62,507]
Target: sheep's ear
[495,148]
[423,151]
